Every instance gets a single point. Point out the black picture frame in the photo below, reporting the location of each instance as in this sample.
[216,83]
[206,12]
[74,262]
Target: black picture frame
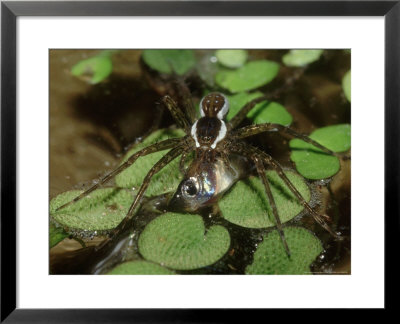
[10,10]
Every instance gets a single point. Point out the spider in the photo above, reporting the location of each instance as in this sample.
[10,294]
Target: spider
[215,142]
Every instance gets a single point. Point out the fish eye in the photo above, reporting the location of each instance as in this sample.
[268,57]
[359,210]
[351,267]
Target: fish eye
[189,188]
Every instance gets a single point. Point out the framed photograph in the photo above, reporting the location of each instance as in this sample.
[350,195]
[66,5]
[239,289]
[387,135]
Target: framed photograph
[246,148]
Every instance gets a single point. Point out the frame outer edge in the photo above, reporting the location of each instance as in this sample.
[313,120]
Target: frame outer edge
[202,8]
[392,149]
[9,11]
[8,161]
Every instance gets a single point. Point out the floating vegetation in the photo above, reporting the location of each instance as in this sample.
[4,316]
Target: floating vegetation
[301,57]
[264,112]
[166,180]
[250,76]
[314,164]
[169,61]
[271,258]
[140,268]
[181,241]
[231,58]
[346,84]
[102,210]
[246,203]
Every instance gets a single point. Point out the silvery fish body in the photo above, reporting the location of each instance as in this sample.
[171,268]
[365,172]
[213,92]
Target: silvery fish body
[206,180]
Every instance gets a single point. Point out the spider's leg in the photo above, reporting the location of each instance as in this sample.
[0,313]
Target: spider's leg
[260,128]
[227,164]
[178,115]
[160,146]
[183,160]
[156,120]
[166,159]
[241,115]
[182,90]
[184,93]
[261,172]
[318,217]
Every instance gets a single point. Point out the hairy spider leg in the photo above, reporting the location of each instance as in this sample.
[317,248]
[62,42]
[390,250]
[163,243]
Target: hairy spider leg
[160,146]
[227,163]
[182,90]
[261,172]
[260,128]
[181,121]
[156,121]
[166,159]
[182,161]
[186,97]
[241,115]
[269,160]
[177,113]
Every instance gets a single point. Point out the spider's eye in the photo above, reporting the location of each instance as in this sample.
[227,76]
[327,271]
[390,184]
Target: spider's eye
[189,188]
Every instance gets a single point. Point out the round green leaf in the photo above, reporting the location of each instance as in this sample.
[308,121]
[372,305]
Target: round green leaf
[247,205]
[56,235]
[180,241]
[336,137]
[140,268]
[168,61]
[250,76]
[164,181]
[301,57]
[270,112]
[264,112]
[103,209]
[271,258]
[346,84]
[94,69]
[231,58]
[314,164]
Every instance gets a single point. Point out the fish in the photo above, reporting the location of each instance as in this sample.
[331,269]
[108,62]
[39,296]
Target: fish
[206,180]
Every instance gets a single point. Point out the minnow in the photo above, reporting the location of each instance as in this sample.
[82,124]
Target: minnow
[206,181]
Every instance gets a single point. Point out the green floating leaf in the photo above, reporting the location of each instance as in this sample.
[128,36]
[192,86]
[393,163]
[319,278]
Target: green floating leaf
[140,268]
[180,241]
[168,61]
[94,69]
[56,235]
[231,58]
[299,58]
[271,258]
[103,209]
[314,164]
[247,205]
[346,84]
[264,112]
[250,76]
[164,181]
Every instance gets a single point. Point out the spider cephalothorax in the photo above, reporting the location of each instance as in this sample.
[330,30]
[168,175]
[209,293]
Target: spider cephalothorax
[221,158]
[214,104]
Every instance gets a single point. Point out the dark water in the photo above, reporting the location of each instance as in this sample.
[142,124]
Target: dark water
[91,127]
